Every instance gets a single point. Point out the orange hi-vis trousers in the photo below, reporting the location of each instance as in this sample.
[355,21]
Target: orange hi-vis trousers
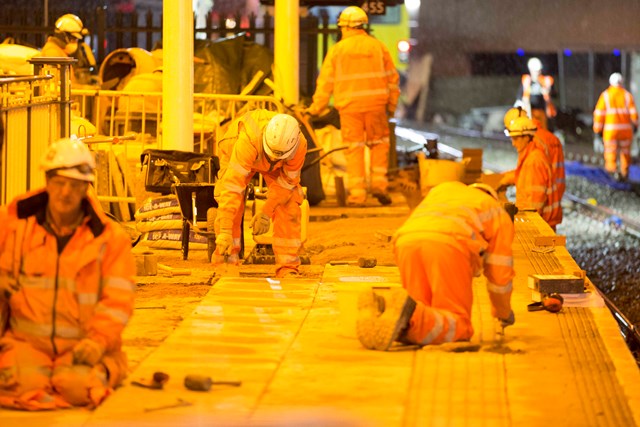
[437,274]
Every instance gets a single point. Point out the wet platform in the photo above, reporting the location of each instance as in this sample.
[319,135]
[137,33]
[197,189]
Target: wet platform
[292,345]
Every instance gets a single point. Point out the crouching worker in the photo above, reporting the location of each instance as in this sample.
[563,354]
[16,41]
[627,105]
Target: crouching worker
[455,233]
[271,144]
[66,290]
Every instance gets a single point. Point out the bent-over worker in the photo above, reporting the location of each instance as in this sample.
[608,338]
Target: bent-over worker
[456,233]
[271,144]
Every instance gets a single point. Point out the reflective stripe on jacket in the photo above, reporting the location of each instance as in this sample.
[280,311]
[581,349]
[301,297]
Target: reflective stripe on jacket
[478,223]
[615,114]
[552,147]
[241,156]
[360,74]
[546,82]
[87,290]
[533,180]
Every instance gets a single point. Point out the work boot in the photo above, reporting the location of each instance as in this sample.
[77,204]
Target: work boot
[357,197]
[382,320]
[383,197]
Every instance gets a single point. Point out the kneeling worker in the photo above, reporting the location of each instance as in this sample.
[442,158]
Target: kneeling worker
[456,233]
[66,288]
[263,142]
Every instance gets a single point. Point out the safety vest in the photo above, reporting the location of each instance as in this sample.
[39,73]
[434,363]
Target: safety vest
[478,223]
[552,147]
[360,74]
[241,157]
[546,82]
[85,291]
[615,114]
[533,179]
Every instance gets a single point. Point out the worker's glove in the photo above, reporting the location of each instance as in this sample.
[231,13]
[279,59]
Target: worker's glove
[311,111]
[8,286]
[87,352]
[508,321]
[224,242]
[260,223]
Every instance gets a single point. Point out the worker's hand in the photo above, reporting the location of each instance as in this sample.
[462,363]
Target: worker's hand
[8,286]
[87,352]
[260,223]
[224,242]
[508,321]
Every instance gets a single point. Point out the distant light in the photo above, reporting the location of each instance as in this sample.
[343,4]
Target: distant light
[616,52]
[413,6]
[230,23]
[520,52]
[567,52]
[404,46]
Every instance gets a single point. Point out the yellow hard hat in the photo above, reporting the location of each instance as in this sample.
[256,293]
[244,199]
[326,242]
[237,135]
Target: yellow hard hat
[521,126]
[512,114]
[353,17]
[71,24]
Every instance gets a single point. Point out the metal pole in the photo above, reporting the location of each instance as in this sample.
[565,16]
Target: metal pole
[287,50]
[561,80]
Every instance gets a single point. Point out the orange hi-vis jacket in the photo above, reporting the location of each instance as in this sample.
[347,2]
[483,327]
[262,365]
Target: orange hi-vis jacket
[615,114]
[241,156]
[534,181]
[360,74]
[85,291]
[478,224]
[546,82]
[54,47]
[552,147]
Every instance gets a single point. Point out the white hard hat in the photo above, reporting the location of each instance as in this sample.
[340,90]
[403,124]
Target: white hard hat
[69,157]
[534,65]
[616,79]
[281,136]
[485,188]
[352,17]
[71,24]
[521,126]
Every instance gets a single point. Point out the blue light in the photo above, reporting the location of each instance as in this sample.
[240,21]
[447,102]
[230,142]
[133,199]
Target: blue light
[520,52]
[567,52]
[616,52]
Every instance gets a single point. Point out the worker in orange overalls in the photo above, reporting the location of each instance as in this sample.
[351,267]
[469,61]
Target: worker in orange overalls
[551,145]
[359,72]
[535,93]
[263,142]
[615,119]
[533,176]
[66,288]
[456,233]
[67,41]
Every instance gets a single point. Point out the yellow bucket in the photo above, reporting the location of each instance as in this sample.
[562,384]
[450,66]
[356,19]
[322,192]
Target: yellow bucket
[436,171]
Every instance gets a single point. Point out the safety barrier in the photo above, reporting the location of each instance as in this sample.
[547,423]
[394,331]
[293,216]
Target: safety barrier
[127,123]
[34,111]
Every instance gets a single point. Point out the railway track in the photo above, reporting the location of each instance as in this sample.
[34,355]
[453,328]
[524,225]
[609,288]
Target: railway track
[602,223]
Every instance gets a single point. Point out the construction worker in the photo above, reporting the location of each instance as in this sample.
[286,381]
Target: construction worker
[66,41]
[457,232]
[552,147]
[535,93]
[66,280]
[271,144]
[533,175]
[360,74]
[615,119]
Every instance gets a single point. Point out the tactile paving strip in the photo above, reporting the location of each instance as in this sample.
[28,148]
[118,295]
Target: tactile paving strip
[600,393]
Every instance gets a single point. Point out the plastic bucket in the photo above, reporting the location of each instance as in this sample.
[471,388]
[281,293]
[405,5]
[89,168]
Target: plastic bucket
[436,171]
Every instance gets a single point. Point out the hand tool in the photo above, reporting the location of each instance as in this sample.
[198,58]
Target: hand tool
[158,381]
[177,404]
[203,383]
[171,271]
[362,262]
[551,303]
